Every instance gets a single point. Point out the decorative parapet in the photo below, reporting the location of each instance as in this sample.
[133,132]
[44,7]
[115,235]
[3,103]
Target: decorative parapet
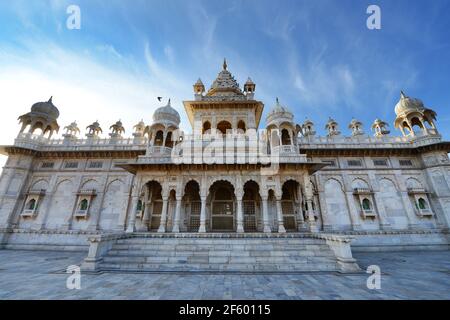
[40,143]
[362,141]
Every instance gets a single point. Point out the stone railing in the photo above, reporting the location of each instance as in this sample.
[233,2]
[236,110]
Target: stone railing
[99,245]
[285,149]
[159,150]
[41,143]
[365,141]
[341,246]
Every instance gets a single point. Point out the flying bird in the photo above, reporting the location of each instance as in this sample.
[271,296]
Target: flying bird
[159,99]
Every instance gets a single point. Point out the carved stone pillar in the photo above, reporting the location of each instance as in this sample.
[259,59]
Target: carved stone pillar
[146,217]
[163,221]
[266,221]
[132,221]
[176,222]
[301,220]
[281,228]
[309,195]
[202,228]
[240,215]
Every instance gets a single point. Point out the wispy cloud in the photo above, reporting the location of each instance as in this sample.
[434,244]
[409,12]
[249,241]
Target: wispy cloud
[84,88]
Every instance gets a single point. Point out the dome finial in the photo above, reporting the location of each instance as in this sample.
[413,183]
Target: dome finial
[402,94]
[225,65]
[50,100]
[169,103]
[278,101]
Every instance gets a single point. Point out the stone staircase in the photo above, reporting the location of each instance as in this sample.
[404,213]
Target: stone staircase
[219,253]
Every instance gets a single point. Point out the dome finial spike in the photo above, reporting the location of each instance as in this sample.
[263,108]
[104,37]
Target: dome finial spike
[169,103]
[225,65]
[50,100]
[402,94]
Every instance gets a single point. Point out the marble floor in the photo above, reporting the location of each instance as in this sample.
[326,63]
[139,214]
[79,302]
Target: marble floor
[405,275]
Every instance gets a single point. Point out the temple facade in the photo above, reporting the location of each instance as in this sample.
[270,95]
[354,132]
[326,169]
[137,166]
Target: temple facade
[230,174]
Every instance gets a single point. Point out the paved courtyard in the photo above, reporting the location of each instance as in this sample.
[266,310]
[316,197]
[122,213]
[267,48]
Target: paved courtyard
[405,275]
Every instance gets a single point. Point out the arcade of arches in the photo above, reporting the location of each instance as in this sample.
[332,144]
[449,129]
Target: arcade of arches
[222,208]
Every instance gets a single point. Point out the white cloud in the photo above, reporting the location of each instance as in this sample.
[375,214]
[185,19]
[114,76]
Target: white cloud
[170,55]
[84,88]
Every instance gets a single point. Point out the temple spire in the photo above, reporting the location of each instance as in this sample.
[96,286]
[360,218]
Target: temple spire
[225,65]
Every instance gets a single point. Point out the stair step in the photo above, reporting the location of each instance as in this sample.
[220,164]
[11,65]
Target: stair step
[220,254]
[213,253]
[206,259]
[188,241]
[212,267]
[183,247]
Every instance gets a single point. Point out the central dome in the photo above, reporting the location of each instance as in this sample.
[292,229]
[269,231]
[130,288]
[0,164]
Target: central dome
[279,114]
[407,104]
[167,113]
[278,109]
[46,108]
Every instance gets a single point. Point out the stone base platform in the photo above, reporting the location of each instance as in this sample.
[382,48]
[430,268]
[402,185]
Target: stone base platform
[220,252]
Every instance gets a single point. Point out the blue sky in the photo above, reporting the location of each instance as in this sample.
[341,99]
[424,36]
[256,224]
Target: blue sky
[317,56]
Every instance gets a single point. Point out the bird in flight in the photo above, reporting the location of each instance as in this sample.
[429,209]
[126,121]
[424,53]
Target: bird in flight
[159,99]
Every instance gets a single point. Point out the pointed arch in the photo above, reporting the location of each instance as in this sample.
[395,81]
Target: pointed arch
[40,184]
[62,204]
[336,203]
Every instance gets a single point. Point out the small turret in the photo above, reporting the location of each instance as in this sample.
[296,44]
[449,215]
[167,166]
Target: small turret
[139,129]
[72,131]
[249,89]
[380,128]
[308,128]
[356,127]
[411,112]
[94,130]
[116,130]
[43,116]
[332,127]
[199,89]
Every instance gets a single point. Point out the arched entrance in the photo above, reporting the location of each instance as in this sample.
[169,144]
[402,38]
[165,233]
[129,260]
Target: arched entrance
[223,127]
[252,206]
[223,202]
[154,204]
[290,204]
[192,205]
